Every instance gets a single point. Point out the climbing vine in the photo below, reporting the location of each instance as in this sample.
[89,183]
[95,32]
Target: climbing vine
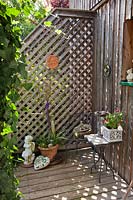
[12,76]
[31,12]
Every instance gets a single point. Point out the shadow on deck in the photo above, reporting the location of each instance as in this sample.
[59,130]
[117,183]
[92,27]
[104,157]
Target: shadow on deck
[71,181]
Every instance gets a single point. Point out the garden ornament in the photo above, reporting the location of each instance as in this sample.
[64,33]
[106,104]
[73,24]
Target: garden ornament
[28,154]
[106,70]
[120,128]
[129,75]
[41,162]
[52,61]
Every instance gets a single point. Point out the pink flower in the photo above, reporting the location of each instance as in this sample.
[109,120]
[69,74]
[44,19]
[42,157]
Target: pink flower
[117,110]
[106,121]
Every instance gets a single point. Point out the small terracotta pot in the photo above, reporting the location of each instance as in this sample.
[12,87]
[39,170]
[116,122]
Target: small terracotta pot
[49,152]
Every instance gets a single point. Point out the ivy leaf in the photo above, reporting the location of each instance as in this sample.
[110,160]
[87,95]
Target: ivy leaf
[13,64]
[3,40]
[22,71]
[20,159]
[58,31]
[14,96]
[3,54]
[26,10]
[27,86]
[12,105]
[17,81]
[13,127]
[12,11]
[7,53]
[48,23]
[6,130]
[37,14]
[15,22]
[16,114]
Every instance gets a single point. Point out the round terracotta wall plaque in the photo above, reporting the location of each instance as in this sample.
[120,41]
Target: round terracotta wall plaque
[52,61]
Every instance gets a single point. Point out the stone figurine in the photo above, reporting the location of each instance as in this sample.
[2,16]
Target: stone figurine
[129,75]
[28,154]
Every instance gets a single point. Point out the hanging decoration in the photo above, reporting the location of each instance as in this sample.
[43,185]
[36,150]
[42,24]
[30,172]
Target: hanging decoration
[106,70]
[52,61]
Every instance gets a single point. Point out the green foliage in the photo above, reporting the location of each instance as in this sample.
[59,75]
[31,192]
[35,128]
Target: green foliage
[29,13]
[8,182]
[113,120]
[58,31]
[50,140]
[12,72]
[54,28]
[48,23]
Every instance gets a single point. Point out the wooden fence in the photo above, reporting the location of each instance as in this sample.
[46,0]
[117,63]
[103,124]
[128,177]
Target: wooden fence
[84,4]
[71,84]
[111,15]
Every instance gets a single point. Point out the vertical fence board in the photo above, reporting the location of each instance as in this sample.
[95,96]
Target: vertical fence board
[111,17]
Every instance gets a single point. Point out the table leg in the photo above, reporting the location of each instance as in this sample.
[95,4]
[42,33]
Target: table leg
[94,153]
[128,190]
[111,170]
[101,159]
[107,163]
[95,162]
[100,166]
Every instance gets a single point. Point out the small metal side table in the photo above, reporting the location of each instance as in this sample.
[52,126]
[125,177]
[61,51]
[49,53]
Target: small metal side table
[96,141]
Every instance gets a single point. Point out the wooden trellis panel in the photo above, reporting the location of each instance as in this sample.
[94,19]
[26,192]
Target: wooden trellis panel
[71,83]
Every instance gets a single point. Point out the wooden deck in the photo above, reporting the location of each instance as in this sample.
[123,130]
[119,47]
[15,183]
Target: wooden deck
[70,181]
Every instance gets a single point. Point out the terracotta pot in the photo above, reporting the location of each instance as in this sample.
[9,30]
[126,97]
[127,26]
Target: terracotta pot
[49,152]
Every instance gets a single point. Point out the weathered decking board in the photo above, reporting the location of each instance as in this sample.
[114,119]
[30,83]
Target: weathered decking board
[70,181]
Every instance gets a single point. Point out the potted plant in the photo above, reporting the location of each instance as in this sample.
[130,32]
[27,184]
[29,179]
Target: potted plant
[112,129]
[48,144]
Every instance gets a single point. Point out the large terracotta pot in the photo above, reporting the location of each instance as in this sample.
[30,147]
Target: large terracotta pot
[49,152]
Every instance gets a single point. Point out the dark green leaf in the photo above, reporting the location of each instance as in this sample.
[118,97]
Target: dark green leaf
[27,86]
[14,96]
[22,71]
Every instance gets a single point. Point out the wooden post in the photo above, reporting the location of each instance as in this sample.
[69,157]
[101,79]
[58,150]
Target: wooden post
[127,47]
[132,10]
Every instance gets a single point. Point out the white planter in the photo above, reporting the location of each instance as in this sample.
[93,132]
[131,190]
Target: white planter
[111,135]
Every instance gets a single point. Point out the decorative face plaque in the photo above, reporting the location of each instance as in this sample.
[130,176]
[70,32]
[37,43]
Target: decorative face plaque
[52,61]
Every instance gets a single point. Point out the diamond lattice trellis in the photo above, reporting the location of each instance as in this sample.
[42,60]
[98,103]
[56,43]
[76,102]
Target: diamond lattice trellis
[71,83]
